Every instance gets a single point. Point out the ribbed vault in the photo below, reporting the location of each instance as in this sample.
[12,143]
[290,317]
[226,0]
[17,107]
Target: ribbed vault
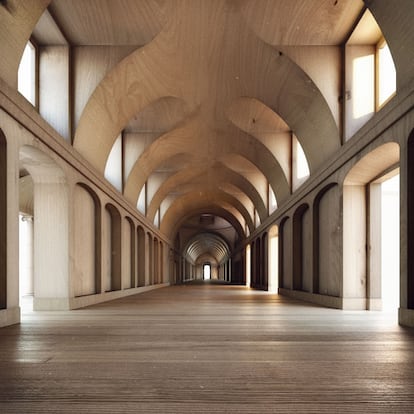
[207,244]
[206,96]
[210,86]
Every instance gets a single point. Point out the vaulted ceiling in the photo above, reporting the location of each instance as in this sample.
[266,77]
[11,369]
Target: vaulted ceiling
[207,95]
[212,89]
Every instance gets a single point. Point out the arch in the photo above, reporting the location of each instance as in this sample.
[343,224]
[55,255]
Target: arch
[204,243]
[142,78]
[51,229]
[361,244]
[196,139]
[202,195]
[257,119]
[175,217]
[273,258]
[141,256]
[124,99]
[298,247]
[314,125]
[371,165]
[218,173]
[87,241]
[130,244]
[113,249]
[284,270]
[315,239]
[3,221]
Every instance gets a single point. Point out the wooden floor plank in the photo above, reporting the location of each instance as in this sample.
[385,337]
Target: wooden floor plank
[208,349]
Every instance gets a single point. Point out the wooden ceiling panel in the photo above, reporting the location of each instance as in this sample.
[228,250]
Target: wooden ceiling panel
[109,22]
[160,116]
[186,207]
[217,176]
[301,22]
[213,95]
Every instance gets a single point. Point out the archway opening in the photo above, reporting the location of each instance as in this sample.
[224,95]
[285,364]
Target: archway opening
[390,243]
[206,271]
[371,231]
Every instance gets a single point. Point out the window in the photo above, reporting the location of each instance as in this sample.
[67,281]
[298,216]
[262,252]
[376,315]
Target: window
[113,167]
[300,166]
[142,200]
[207,271]
[256,219]
[157,219]
[386,74]
[370,76]
[272,200]
[26,78]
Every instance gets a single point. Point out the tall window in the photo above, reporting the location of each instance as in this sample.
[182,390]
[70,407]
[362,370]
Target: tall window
[370,75]
[272,200]
[26,78]
[386,78]
[300,166]
[113,167]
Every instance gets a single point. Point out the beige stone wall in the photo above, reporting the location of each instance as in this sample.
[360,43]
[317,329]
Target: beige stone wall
[73,237]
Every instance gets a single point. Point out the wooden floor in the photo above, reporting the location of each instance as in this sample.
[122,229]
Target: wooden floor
[206,349]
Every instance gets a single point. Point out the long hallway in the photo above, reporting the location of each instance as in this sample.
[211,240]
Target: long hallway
[206,348]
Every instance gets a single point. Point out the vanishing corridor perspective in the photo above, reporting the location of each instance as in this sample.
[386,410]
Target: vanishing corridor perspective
[155,146]
[209,348]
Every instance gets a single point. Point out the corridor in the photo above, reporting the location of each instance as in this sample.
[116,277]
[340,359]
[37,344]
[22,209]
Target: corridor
[206,348]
